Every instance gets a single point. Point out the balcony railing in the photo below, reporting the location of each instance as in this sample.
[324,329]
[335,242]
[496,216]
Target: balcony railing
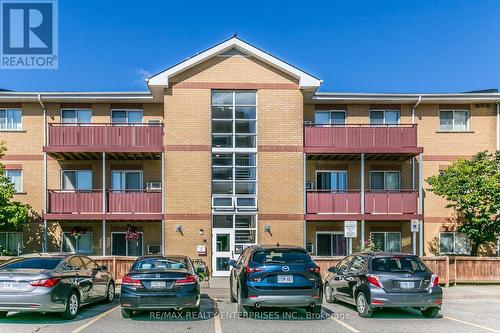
[129,201]
[349,202]
[103,137]
[354,138]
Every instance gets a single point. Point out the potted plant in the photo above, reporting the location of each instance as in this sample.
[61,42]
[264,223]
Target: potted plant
[132,234]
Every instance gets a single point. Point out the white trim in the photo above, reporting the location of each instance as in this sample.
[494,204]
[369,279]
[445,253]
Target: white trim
[62,171]
[385,111]
[315,245]
[20,129]
[21,244]
[305,80]
[330,117]
[22,179]
[315,183]
[400,182]
[126,112]
[467,127]
[76,110]
[123,179]
[91,233]
[454,233]
[126,242]
[385,238]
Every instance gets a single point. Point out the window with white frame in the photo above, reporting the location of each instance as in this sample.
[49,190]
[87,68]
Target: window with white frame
[81,244]
[126,116]
[76,116]
[121,246]
[453,120]
[330,117]
[387,241]
[11,119]
[126,180]
[331,180]
[330,243]
[245,228]
[16,178]
[384,117]
[80,180]
[234,122]
[234,173]
[454,243]
[11,243]
[385,180]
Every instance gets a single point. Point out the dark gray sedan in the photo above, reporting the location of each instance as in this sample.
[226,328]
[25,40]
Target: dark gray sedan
[53,283]
[377,280]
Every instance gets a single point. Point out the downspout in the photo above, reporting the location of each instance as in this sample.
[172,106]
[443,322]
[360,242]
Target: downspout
[498,125]
[45,242]
[413,109]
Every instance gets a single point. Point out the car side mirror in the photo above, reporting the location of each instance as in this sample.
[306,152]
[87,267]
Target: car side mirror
[332,269]
[103,268]
[231,263]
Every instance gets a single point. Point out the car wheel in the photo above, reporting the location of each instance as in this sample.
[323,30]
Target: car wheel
[362,306]
[430,312]
[231,296]
[126,313]
[3,314]
[110,293]
[72,306]
[329,293]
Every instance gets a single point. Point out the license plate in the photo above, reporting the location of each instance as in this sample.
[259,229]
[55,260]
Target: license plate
[285,278]
[9,285]
[407,285]
[157,284]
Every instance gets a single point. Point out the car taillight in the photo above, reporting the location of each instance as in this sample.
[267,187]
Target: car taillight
[128,281]
[252,269]
[314,269]
[190,279]
[374,280]
[434,280]
[47,283]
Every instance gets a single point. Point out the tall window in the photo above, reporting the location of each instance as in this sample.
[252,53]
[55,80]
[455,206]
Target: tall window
[10,119]
[245,228]
[76,180]
[384,117]
[330,244]
[453,120]
[331,180]
[385,180]
[454,243]
[329,117]
[16,178]
[234,119]
[387,241]
[126,116]
[120,246]
[76,116]
[126,180]
[11,243]
[234,173]
[81,244]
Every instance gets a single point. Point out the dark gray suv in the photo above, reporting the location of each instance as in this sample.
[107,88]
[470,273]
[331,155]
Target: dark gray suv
[376,280]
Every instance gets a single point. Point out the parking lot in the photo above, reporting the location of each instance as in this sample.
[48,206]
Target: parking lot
[466,309]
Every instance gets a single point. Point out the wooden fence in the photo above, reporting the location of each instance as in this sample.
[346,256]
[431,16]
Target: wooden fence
[451,270]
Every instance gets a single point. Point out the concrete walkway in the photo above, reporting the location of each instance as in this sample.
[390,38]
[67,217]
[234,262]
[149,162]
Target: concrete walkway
[472,292]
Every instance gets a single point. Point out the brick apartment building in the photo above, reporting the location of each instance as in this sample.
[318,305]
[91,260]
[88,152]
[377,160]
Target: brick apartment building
[233,147]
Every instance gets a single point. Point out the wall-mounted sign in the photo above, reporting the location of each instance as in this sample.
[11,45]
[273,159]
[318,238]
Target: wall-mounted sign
[415,226]
[350,229]
[201,249]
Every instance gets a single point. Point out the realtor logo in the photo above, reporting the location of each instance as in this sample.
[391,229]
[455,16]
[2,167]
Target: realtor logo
[29,38]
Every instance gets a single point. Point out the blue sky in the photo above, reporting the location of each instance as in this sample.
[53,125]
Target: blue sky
[354,46]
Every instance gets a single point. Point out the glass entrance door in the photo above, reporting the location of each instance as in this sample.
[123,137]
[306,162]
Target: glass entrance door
[223,250]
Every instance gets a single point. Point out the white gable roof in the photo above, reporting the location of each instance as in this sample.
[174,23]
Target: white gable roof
[306,81]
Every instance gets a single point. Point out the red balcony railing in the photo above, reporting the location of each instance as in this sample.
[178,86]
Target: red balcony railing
[360,138]
[68,202]
[76,202]
[376,202]
[99,137]
[132,201]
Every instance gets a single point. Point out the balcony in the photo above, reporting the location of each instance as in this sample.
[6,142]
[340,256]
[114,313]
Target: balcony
[121,205]
[379,205]
[371,139]
[94,138]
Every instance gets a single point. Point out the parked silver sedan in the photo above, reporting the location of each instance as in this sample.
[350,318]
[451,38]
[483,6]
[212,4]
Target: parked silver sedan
[53,283]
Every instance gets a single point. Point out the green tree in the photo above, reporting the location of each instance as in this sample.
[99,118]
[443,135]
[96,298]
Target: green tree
[472,188]
[13,214]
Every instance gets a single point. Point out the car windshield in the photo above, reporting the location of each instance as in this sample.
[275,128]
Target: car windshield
[281,256]
[32,263]
[157,264]
[407,264]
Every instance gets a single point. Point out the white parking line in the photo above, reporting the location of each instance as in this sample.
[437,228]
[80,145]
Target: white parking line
[99,317]
[217,320]
[340,322]
[471,324]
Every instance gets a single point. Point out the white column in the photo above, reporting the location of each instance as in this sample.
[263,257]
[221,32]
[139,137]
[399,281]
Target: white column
[103,203]
[45,236]
[420,205]
[498,125]
[414,242]
[103,238]
[163,203]
[363,196]
[304,175]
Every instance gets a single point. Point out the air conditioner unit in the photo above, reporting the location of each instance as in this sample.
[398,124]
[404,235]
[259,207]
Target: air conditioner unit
[153,186]
[154,249]
[154,122]
[310,248]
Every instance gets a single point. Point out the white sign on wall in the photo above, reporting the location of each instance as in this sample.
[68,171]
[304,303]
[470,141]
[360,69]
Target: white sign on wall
[415,226]
[350,229]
